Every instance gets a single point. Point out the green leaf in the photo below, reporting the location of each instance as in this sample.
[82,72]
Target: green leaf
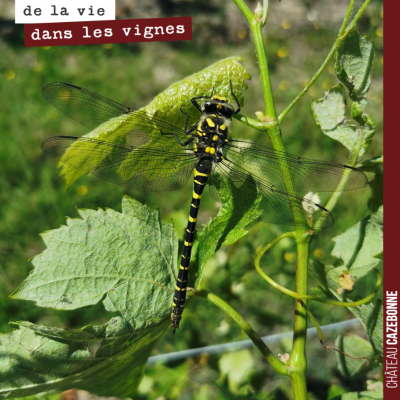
[126,259]
[354,60]
[377,218]
[359,246]
[371,165]
[201,83]
[236,366]
[41,396]
[227,227]
[367,395]
[329,113]
[169,382]
[374,392]
[371,317]
[167,105]
[35,359]
[354,346]
[367,128]
[334,392]
[353,64]
[375,202]
[360,249]
[320,271]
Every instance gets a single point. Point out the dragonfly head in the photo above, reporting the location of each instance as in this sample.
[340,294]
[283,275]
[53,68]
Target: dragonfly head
[218,104]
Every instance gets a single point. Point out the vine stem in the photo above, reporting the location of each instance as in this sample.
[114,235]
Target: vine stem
[248,329]
[298,296]
[271,124]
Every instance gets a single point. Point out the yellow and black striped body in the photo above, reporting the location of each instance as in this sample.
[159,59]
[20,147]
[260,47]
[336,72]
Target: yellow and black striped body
[210,135]
[201,174]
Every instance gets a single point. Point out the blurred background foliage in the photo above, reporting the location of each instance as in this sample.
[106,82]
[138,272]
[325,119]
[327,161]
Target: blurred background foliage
[33,198]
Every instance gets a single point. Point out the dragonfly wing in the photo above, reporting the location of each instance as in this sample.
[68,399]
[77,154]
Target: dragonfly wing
[307,175]
[137,167]
[82,105]
[276,204]
[93,110]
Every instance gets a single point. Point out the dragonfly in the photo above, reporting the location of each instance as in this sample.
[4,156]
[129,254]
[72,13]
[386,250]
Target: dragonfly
[149,152]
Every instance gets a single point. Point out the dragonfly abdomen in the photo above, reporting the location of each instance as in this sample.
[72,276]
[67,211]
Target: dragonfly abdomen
[201,174]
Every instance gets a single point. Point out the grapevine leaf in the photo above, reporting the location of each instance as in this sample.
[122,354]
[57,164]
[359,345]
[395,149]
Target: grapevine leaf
[371,165]
[371,317]
[365,395]
[321,271]
[355,346]
[227,227]
[367,126]
[167,105]
[359,246]
[353,64]
[375,202]
[35,359]
[360,249]
[127,259]
[201,83]
[329,113]
[375,165]
[354,60]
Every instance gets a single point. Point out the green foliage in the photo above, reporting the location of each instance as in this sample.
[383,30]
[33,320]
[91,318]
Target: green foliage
[371,316]
[227,227]
[334,391]
[39,358]
[374,392]
[329,113]
[353,65]
[236,367]
[359,250]
[354,59]
[42,396]
[354,346]
[127,258]
[359,246]
[367,395]
[376,185]
[171,382]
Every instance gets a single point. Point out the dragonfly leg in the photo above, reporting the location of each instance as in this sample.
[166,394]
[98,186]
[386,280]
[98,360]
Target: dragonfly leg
[186,142]
[236,99]
[196,104]
[187,119]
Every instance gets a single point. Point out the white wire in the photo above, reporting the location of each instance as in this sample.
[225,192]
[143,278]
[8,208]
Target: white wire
[243,344]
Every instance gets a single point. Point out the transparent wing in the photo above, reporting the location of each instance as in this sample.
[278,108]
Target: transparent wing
[276,204]
[133,165]
[307,175]
[92,110]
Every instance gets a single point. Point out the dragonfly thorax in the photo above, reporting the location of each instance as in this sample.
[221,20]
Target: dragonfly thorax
[211,136]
